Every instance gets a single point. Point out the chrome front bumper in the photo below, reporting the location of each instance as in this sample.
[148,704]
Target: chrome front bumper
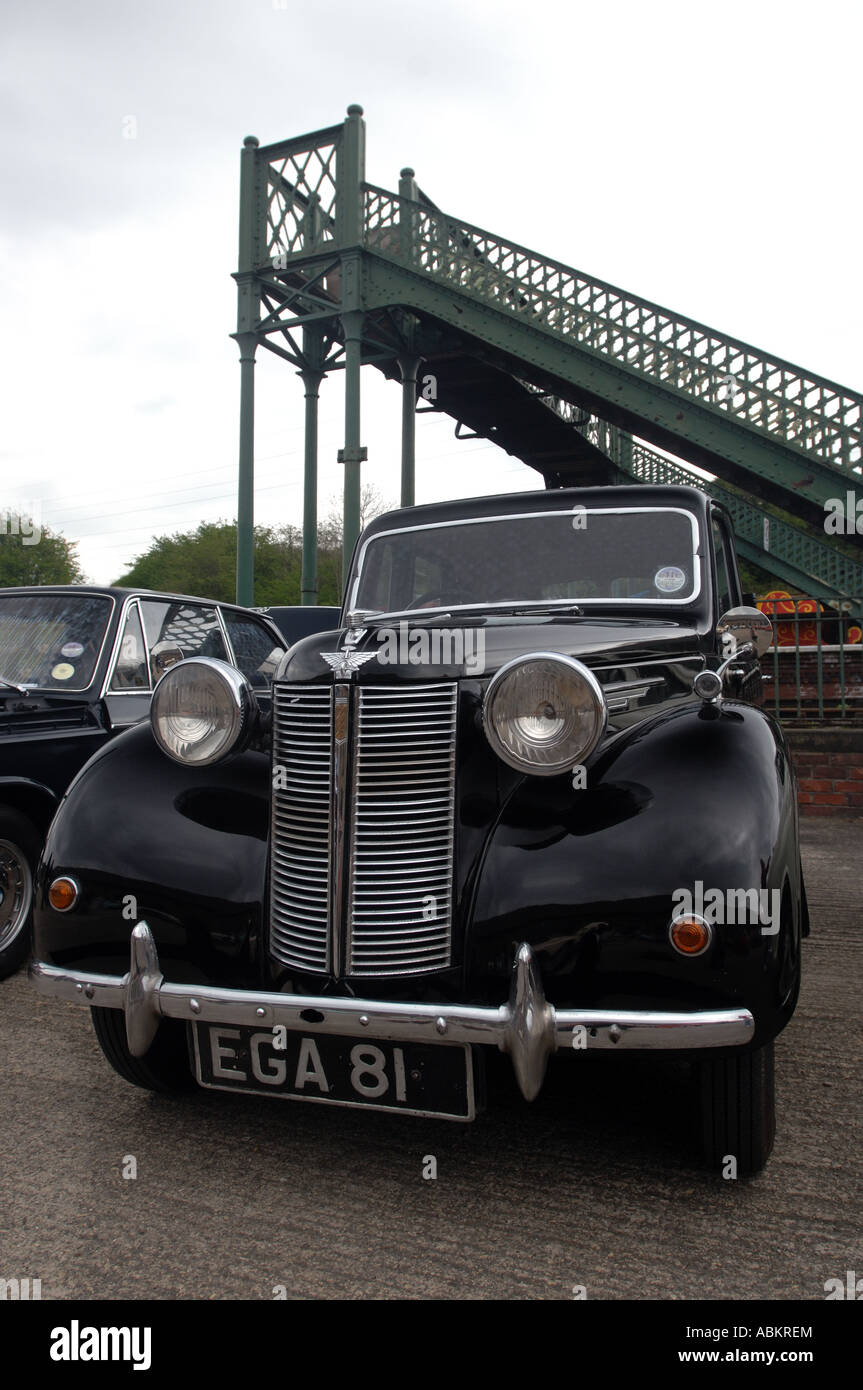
[527,1027]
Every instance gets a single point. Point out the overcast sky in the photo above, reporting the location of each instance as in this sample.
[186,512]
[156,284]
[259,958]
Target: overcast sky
[706,156]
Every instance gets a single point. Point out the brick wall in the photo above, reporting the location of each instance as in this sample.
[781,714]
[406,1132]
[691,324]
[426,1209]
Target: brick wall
[829,765]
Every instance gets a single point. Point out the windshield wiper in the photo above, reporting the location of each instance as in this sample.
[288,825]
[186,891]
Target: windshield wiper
[462,610]
[521,609]
[10,685]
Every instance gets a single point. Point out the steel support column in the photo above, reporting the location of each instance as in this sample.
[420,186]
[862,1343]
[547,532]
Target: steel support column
[409,366]
[353,454]
[246,490]
[248,301]
[312,376]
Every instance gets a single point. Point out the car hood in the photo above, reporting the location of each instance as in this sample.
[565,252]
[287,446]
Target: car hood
[452,648]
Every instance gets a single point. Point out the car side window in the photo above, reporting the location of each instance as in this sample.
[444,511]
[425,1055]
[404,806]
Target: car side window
[724,586]
[176,630]
[255,649]
[131,668]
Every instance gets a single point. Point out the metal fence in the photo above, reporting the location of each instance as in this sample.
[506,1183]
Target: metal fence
[814,670]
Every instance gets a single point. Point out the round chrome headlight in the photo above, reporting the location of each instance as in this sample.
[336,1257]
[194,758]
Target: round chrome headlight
[202,710]
[544,713]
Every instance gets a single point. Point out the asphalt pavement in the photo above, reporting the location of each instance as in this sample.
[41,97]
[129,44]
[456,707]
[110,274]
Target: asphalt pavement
[595,1186]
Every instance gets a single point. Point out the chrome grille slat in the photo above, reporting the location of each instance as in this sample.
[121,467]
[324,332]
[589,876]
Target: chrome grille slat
[402,850]
[301,834]
[400,802]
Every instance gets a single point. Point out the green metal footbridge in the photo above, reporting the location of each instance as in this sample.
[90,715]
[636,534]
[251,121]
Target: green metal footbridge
[579,379]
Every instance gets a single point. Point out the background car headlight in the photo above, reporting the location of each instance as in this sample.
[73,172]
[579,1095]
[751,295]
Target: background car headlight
[202,710]
[544,713]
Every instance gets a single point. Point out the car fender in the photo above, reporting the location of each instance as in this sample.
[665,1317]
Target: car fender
[701,794]
[31,798]
[148,838]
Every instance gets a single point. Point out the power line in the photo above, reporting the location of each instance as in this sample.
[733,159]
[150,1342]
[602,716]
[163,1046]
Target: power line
[230,496]
[232,467]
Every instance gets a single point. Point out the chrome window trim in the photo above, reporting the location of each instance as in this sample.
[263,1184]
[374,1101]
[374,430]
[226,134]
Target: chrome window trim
[697,554]
[260,621]
[118,644]
[229,646]
[155,597]
[118,638]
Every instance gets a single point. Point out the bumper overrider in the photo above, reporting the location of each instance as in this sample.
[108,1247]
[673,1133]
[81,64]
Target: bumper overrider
[527,1026]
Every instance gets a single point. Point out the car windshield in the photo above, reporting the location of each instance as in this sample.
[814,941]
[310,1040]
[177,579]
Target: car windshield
[630,555]
[52,641]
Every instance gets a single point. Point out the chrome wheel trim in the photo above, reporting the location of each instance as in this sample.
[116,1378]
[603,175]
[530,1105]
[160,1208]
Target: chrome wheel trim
[16,887]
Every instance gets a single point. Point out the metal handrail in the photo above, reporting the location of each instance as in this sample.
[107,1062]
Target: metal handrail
[776,398]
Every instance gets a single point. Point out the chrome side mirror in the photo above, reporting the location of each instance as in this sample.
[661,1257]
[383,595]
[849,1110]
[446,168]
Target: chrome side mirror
[162,656]
[748,627]
[739,632]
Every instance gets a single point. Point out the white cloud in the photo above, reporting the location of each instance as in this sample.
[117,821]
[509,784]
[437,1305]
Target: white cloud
[705,157]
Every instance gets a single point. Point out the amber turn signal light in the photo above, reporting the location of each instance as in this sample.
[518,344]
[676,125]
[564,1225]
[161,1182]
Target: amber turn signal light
[690,934]
[63,894]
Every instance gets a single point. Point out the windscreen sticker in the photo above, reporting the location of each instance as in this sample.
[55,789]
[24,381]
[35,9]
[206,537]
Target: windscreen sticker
[669,579]
[72,649]
[63,671]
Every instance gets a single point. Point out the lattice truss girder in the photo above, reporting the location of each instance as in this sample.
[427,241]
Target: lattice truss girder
[726,375]
[301,196]
[300,192]
[300,201]
[810,557]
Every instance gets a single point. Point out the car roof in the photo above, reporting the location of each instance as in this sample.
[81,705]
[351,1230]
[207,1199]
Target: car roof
[542,499]
[116,592]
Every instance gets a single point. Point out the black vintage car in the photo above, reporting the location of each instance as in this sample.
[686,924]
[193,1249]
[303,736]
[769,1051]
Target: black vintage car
[524,798]
[77,664]
[296,621]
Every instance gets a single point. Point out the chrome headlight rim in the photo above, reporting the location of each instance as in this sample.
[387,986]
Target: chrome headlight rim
[573,666]
[242,705]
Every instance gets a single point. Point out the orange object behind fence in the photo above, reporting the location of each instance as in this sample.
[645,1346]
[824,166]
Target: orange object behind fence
[798,631]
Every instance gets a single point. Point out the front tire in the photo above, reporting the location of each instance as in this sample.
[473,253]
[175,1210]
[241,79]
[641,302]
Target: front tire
[165,1068]
[738,1109]
[20,847]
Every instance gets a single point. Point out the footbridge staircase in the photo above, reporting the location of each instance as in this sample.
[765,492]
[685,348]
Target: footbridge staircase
[581,380]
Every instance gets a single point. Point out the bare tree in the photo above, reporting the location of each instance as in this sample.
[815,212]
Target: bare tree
[372,504]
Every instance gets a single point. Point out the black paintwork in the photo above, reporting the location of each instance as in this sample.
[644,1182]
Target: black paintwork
[295,621]
[677,791]
[47,735]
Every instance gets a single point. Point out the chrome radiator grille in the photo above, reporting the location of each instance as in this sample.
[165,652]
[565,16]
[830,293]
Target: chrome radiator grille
[362,864]
[400,876]
[300,843]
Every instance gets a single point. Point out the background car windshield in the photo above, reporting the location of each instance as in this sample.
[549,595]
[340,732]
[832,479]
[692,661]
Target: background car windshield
[52,641]
[646,554]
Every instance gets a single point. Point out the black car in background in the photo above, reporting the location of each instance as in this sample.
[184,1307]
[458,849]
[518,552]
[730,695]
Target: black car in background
[524,799]
[296,621]
[78,664]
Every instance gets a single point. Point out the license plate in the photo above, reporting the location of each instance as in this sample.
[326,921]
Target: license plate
[415,1078]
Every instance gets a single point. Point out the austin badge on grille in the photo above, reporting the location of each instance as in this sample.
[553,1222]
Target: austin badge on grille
[346,663]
